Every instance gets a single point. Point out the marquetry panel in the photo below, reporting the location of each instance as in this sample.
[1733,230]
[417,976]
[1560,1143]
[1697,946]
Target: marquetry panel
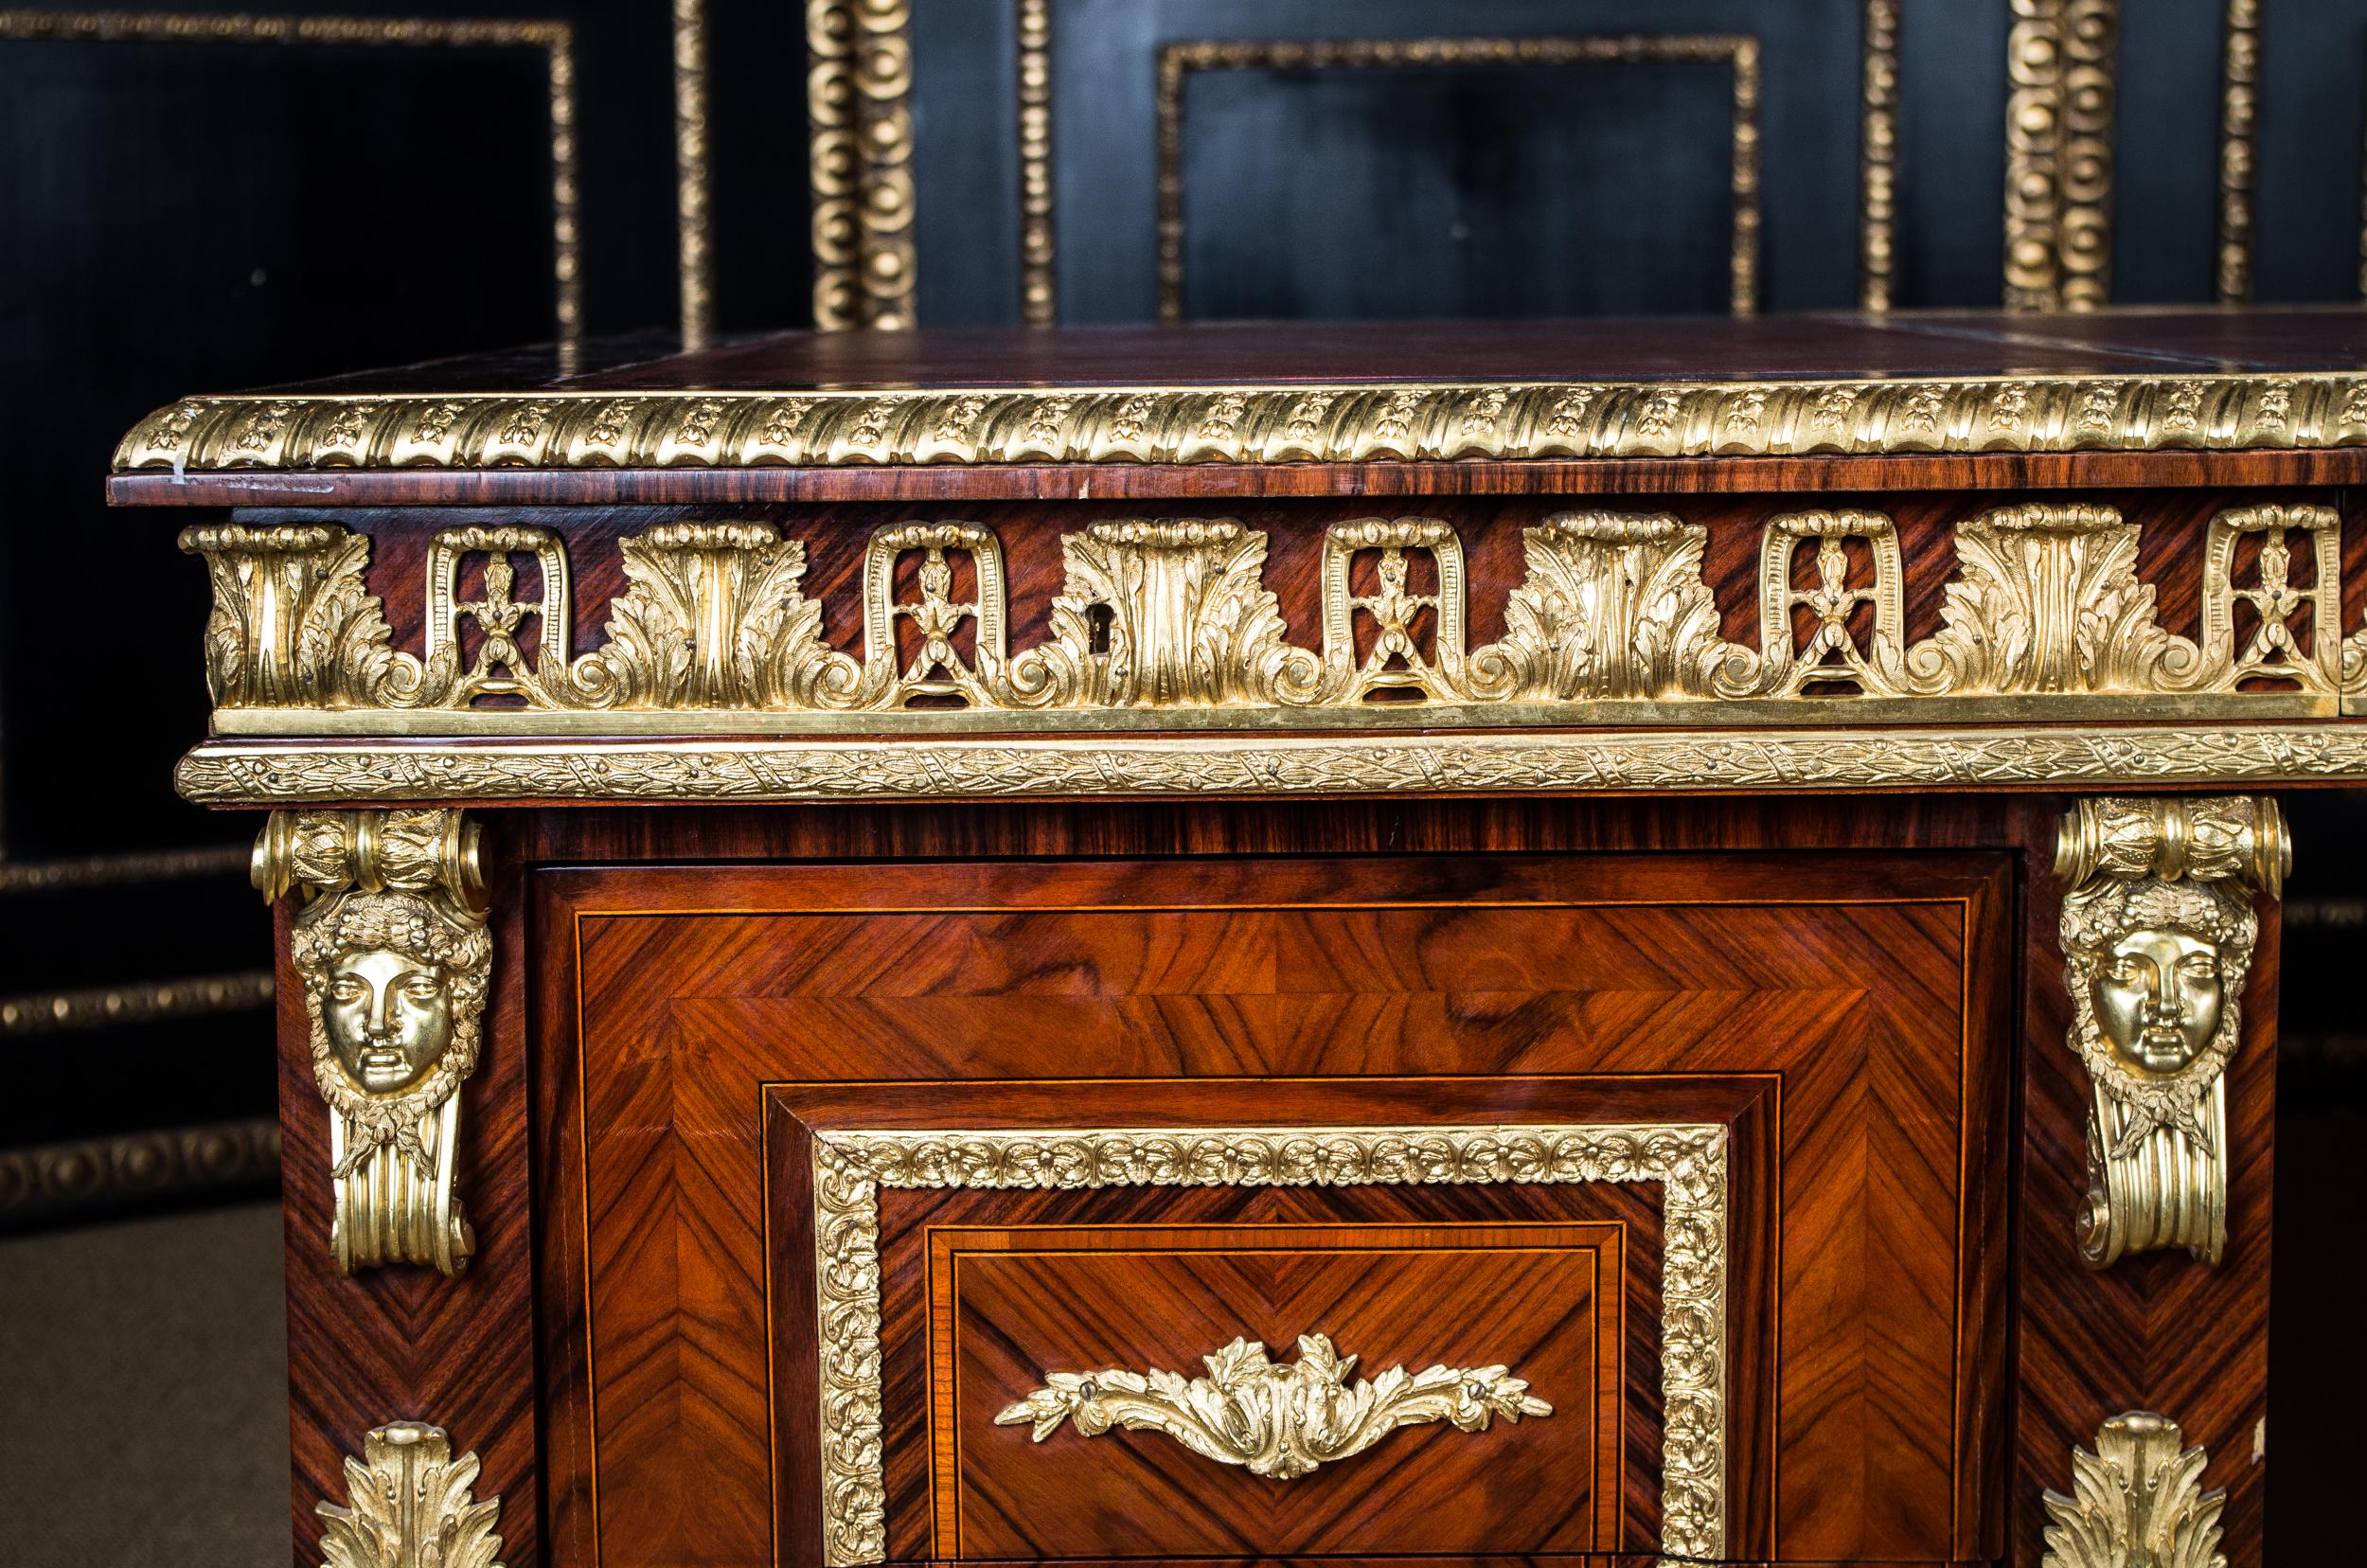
[407,1343]
[1007,1303]
[2156,1330]
[1832,1013]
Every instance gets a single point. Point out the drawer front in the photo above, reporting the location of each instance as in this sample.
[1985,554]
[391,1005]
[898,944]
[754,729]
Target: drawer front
[1011,1211]
[1403,1319]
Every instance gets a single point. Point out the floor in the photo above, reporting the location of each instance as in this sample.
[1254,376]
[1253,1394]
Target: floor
[143,1393]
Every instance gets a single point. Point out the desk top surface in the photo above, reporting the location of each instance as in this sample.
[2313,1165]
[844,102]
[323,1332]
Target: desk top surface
[2115,343]
[811,416]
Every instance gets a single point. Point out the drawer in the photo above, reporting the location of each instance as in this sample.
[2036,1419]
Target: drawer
[1429,1206]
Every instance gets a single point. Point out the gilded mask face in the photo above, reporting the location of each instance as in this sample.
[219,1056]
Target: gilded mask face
[389,1017]
[2157,995]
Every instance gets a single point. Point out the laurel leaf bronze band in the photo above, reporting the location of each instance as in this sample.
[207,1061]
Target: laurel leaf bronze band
[299,773]
[1690,1160]
[1250,424]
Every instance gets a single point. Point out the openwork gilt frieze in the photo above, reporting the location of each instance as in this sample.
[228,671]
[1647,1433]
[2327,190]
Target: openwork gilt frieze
[1170,622]
[1276,1421]
[2158,932]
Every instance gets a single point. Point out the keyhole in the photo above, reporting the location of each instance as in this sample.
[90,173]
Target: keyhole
[1098,619]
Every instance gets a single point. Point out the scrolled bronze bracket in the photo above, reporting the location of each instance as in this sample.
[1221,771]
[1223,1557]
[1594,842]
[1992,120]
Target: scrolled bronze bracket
[393,952]
[2158,932]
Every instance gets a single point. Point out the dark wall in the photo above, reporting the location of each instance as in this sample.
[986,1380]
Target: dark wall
[187,214]
[1515,190]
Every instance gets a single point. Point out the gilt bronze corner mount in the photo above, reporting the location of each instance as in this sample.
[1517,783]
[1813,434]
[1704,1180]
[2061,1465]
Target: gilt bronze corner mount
[410,1506]
[2137,1502]
[393,952]
[2157,931]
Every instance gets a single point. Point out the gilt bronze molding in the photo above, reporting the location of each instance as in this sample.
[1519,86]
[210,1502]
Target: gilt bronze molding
[2158,932]
[693,180]
[285,773]
[2137,1502]
[1877,154]
[1168,624]
[558,431]
[1282,1421]
[48,1180]
[860,151]
[1690,1160]
[410,1506]
[2062,71]
[2239,146]
[393,955]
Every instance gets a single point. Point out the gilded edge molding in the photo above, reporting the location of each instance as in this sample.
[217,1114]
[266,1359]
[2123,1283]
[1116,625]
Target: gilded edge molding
[1275,1420]
[1039,282]
[393,955]
[2158,933]
[47,1180]
[2137,1502]
[1179,59]
[290,773]
[2062,68]
[850,1168]
[410,1506]
[1339,423]
[134,1002]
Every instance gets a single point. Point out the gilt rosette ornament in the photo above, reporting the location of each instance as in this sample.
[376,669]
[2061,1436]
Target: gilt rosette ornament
[1275,1420]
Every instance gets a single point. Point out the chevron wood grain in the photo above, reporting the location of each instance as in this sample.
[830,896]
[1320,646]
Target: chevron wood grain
[1825,1001]
[405,1344]
[1005,1305]
[2156,1331]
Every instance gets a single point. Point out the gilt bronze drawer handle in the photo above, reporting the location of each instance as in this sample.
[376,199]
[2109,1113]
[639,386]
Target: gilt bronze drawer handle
[1281,1421]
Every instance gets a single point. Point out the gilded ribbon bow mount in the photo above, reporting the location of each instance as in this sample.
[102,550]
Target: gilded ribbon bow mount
[1277,1420]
